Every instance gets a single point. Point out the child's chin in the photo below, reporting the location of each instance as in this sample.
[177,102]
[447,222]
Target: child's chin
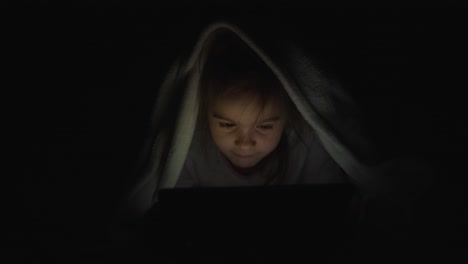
[244,164]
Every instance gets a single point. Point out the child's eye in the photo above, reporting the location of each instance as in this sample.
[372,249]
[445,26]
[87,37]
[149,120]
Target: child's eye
[265,127]
[226,125]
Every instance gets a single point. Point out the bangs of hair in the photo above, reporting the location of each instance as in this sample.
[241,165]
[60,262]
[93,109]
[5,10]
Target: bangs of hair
[232,68]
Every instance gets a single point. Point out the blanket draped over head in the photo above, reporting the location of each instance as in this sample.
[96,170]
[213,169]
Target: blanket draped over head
[324,104]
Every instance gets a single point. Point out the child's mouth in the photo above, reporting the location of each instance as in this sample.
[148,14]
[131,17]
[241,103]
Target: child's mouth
[243,156]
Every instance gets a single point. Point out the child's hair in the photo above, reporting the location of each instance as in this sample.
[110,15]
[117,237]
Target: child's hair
[233,68]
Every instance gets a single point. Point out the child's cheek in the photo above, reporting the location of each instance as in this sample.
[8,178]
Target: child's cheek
[269,142]
[274,139]
[221,138]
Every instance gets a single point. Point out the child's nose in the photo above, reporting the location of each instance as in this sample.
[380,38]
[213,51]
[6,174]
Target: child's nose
[245,140]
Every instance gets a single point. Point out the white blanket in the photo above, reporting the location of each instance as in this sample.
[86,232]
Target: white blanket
[326,106]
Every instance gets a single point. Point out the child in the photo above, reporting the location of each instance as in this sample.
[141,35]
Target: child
[249,132]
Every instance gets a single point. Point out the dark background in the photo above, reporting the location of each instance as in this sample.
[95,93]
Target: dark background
[82,79]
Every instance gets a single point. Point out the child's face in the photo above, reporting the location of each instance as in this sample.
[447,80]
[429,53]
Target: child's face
[243,131]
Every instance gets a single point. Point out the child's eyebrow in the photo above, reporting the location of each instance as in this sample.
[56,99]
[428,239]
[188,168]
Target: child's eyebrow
[215,115]
[270,119]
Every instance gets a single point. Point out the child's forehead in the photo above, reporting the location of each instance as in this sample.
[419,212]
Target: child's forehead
[246,88]
[246,99]
[246,104]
